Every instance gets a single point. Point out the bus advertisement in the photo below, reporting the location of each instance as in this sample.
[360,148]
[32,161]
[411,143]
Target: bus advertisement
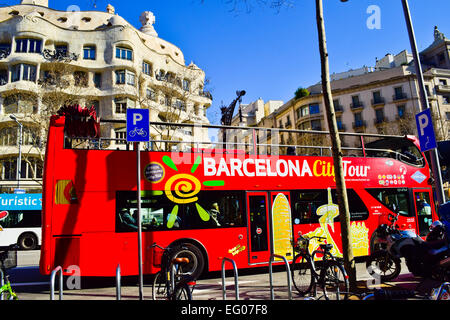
[20,220]
[241,205]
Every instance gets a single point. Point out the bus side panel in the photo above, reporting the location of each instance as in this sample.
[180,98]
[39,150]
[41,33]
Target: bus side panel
[111,249]
[55,139]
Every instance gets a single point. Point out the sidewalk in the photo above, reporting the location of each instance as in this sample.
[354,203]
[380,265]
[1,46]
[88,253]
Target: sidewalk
[251,287]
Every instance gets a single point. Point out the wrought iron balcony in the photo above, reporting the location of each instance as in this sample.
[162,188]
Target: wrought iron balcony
[356,105]
[359,124]
[59,55]
[399,96]
[378,101]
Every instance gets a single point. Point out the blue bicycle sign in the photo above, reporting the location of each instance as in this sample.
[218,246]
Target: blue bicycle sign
[138,125]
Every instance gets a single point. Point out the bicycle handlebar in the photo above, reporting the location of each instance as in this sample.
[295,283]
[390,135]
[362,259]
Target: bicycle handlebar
[157,246]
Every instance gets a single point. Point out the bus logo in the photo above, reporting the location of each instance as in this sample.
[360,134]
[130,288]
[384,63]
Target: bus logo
[419,177]
[183,188]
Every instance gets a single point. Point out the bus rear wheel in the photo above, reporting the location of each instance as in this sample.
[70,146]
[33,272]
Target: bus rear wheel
[196,260]
[27,241]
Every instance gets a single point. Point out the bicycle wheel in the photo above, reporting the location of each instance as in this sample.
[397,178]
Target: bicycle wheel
[302,275]
[182,292]
[334,281]
[159,289]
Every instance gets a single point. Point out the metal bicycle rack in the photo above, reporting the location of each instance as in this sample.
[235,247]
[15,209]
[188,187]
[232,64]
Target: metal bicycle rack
[2,283]
[52,283]
[118,285]
[288,270]
[236,282]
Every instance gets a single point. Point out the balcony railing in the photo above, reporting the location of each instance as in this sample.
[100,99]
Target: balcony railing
[399,96]
[60,55]
[338,108]
[205,94]
[380,120]
[378,101]
[356,105]
[359,124]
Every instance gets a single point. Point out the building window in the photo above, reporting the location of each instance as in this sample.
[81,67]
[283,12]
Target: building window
[316,125]
[122,104]
[61,49]
[125,77]
[89,52]
[167,101]
[340,125]
[124,53]
[186,85]
[26,72]
[151,94]
[98,80]
[20,103]
[121,136]
[8,136]
[31,169]
[314,109]
[81,78]
[28,45]
[401,111]
[399,94]
[379,116]
[446,99]
[447,116]
[359,122]
[147,68]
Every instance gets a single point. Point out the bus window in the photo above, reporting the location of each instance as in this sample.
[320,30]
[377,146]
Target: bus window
[306,202]
[17,219]
[212,209]
[396,199]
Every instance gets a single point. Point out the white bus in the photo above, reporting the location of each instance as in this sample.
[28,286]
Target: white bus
[20,220]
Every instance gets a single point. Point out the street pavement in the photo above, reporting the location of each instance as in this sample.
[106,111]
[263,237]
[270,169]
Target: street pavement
[253,284]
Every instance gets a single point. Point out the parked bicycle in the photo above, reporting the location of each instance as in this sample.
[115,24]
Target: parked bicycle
[8,260]
[329,273]
[170,283]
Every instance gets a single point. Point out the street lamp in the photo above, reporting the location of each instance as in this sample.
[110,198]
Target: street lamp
[19,159]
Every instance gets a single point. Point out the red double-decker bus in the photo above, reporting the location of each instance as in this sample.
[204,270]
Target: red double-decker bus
[244,205]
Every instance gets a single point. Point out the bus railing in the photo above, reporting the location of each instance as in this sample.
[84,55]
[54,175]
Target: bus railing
[288,271]
[256,141]
[52,283]
[118,283]
[236,281]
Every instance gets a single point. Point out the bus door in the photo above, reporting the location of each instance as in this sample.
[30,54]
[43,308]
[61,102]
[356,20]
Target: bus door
[423,209]
[281,225]
[258,227]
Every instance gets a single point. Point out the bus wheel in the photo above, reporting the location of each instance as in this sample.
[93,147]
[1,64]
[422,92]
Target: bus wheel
[196,260]
[28,241]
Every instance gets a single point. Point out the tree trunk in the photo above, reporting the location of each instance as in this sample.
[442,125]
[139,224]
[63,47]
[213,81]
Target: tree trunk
[344,216]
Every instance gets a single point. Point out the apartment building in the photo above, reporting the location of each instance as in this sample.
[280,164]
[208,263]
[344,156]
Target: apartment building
[49,58]
[380,99]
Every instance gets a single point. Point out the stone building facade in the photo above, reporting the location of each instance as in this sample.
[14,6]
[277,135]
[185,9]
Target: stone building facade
[49,58]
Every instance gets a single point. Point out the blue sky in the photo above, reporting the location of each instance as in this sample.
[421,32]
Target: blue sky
[270,53]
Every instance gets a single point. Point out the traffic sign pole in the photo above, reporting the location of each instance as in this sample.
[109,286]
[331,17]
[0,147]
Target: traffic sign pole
[139,219]
[435,165]
[138,130]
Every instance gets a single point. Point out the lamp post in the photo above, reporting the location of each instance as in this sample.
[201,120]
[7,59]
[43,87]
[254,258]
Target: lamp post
[19,159]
